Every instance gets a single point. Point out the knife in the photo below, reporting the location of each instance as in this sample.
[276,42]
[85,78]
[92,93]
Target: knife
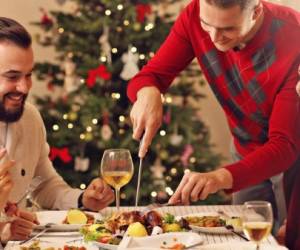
[139,177]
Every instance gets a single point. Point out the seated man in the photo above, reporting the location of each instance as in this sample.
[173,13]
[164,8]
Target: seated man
[23,135]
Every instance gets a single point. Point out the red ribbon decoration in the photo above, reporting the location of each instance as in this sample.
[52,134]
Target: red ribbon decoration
[46,20]
[100,72]
[61,153]
[141,11]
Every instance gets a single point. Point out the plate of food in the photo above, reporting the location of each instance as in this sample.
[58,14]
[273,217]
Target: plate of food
[40,245]
[71,220]
[171,241]
[213,223]
[110,232]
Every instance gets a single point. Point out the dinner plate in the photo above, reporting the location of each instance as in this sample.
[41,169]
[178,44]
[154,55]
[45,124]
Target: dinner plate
[57,217]
[157,241]
[240,246]
[211,230]
[54,245]
[100,245]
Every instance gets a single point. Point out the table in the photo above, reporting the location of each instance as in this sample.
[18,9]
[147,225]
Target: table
[176,210]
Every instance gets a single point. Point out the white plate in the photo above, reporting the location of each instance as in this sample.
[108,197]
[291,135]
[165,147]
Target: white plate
[234,245]
[156,241]
[56,246]
[57,217]
[104,246]
[211,230]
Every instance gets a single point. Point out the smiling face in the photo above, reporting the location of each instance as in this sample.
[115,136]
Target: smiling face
[16,64]
[228,27]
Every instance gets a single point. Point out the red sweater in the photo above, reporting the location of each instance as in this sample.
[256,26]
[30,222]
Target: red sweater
[255,86]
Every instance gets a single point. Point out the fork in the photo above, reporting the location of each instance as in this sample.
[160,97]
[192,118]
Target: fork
[47,227]
[35,182]
[224,214]
[231,229]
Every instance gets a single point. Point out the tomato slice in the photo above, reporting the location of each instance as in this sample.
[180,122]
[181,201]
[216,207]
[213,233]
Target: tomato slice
[104,239]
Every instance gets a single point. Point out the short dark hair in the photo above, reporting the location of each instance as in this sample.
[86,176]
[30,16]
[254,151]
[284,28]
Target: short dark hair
[229,3]
[12,31]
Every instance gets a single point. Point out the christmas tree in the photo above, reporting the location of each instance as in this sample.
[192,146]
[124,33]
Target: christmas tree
[100,45]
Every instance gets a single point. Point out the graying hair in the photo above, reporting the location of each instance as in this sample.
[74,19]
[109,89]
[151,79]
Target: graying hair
[244,4]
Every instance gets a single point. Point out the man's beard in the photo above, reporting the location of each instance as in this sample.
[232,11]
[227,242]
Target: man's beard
[11,115]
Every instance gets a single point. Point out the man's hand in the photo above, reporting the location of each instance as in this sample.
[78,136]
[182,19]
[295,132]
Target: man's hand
[97,196]
[146,116]
[281,234]
[22,225]
[298,84]
[5,179]
[197,186]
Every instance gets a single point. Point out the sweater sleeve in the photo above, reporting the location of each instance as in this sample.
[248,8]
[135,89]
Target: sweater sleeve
[172,57]
[55,193]
[283,146]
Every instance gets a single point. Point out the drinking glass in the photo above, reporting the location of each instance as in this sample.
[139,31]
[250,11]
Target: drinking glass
[257,219]
[116,169]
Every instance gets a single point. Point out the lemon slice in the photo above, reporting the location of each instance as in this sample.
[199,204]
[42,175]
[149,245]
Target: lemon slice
[94,227]
[137,230]
[76,216]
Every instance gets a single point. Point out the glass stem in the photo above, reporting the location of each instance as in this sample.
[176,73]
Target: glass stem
[257,247]
[118,198]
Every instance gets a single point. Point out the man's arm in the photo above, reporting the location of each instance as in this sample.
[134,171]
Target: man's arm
[55,193]
[283,145]
[275,156]
[145,88]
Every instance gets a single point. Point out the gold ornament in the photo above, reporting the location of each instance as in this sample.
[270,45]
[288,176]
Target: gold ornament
[88,136]
[164,154]
[137,26]
[72,116]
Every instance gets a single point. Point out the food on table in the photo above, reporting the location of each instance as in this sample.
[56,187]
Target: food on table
[154,219]
[213,221]
[36,246]
[177,246]
[137,229]
[121,221]
[236,222]
[173,246]
[206,221]
[172,225]
[136,223]
[76,216]
[99,233]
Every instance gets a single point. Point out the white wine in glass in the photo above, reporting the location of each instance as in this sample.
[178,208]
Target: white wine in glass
[116,169]
[257,220]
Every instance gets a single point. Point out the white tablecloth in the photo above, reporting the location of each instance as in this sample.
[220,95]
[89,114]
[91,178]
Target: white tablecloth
[66,237]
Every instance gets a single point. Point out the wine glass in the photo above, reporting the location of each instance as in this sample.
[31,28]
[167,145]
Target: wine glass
[257,220]
[117,169]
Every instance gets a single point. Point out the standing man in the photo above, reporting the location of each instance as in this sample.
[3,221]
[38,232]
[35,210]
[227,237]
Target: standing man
[249,53]
[23,135]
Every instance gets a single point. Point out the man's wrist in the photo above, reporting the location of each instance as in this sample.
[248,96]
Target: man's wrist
[147,90]
[225,178]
